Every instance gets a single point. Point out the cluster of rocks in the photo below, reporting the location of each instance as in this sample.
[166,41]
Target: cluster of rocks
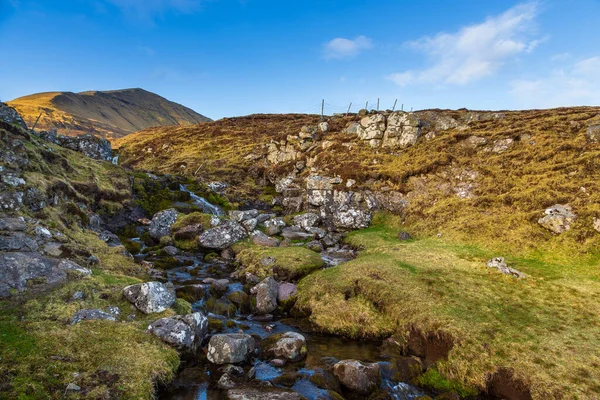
[11,116]
[87,144]
[398,129]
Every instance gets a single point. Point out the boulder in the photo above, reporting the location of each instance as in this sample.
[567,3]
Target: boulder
[230,348]
[266,296]
[161,223]
[353,128]
[500,264]
[286,291]
[260,239]
[219,287]
[323,127]
[501,145]
[12,224]
[89,145]
[92,314]
[239,216]
[593,133]
[351,219]
[222,236]
[171,250]
[263,393]
[473,141]
[11,116]
[274,226]
[289,346]
[403,130]
[357,376]
[17,241]
[558,218]
[306,221]
[296,233]
[150,297]
[184,332]
[11,201]
[250,224]
[372,127]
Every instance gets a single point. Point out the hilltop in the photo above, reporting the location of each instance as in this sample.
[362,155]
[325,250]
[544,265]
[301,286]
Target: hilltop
[109,114]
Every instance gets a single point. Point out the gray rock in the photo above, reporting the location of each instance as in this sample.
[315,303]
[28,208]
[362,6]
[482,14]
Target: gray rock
[372,127]
[286,291]
[12,224]
[323,126]
[110,238]
[404,236]
[17,241]
[239,216]
[73,268]
[230,348]
[351,219]
[266,296]
[42,232]
[34,199]
[11,201]
[296,233]
[53,249]
[306,221]
[219,287]
[89,145]
[403,130]
[318,232]
[315,246]
[357,376]
[250,224]
[500,264]
[11,116]
[183,332]
[222,236]
[593,133]
[353,128]
[274,226]
[290,346]
[267,393]
[171,250]
[558,218]
[225,382]
[474,141]
[264,217]
[501,145]
[12,179]
[150,297]
[260,239]
[114,310]
[161,223]
[91,314]
[78,296]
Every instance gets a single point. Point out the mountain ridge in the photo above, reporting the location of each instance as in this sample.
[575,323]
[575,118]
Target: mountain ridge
[110,114]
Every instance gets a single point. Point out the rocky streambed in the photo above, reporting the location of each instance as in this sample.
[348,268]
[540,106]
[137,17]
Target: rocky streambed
[245,342]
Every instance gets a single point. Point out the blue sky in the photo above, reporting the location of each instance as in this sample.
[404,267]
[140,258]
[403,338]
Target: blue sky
[236,57]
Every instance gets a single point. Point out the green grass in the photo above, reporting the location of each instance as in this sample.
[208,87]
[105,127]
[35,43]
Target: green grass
[545,326]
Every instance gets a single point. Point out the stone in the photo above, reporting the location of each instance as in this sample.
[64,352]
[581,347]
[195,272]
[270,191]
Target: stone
[501,145]
[12,179]
[260,239]
[34,199]
[286,291]
[474,141]
[403,130]
[319,182]
[266,296]
[42,232]
[222,236]
[150,297]
[11,116]
[315,246]
[306,221]
[593,133]
[161,223]
[171,250]
[78,296]
[18,241]
[11,201]
[500,264]
[89,145]
[114,310]
[110,238]
[239,216]
[351,219]
[183,332]
[404,236]
[289,346]
[73,268]
[372,127]
[91,314]
[219,287]
[225,382]
[357,376]
[71,387]
[323,127]
[265,393]
[250,224]
[296,233]
[558,218]
[274,226]
[353,128]
[596,224]
[12,224]
[230,348]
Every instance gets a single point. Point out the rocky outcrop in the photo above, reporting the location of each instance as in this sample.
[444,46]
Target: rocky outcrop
[150,297]
[290,346]
[89,145]
[11,116]
[558,218]
[184,332]
[593,133]
[92,314]
[222,236]
[357,376]
[230,348]
[161,223]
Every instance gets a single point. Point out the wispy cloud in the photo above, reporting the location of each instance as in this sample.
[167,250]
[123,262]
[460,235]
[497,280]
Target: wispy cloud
[145,9]
[475,51]
[341,48]
[575,84]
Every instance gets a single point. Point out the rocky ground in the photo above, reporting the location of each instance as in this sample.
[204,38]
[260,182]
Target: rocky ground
[336,261]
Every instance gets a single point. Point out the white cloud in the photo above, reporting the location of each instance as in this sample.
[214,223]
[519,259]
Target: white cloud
[475,51]
[150,8]
[576,84]
[340,48]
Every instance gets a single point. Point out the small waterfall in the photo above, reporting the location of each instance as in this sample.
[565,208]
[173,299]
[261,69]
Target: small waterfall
[201,202]
[115,160]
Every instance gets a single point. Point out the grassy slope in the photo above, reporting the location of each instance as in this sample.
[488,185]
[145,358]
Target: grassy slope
[545,326]
[40,352]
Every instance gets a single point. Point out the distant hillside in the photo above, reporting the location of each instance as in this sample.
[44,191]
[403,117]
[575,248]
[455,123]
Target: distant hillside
[110,114]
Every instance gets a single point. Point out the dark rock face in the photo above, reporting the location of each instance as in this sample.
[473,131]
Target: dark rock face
[89,145]
[184,332]
[92,314]
[150,297]
[222,236]
[161,223]
[357,376]
[11,116]
[19,270]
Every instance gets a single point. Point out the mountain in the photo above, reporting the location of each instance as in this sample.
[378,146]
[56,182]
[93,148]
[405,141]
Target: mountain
[110,114]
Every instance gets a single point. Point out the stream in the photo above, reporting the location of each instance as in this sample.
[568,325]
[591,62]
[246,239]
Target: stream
[197,377]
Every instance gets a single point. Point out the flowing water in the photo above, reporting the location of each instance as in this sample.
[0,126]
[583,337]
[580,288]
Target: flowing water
[201,202]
